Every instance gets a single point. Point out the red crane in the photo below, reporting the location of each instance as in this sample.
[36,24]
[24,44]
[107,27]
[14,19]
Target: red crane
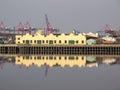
[107,28]
[2,26]
[28,27]
[49,27]
[21,28]
[119,29]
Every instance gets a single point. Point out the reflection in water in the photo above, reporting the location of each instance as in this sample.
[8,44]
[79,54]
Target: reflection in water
[59,60]
[60,77]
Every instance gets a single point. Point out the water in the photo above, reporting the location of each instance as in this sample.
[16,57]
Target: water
[60,72]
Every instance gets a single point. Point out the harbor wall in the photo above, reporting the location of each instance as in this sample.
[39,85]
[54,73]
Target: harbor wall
[109,49]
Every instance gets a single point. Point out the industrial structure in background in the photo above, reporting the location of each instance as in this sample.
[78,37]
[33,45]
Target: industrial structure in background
[49,27]
[105,36]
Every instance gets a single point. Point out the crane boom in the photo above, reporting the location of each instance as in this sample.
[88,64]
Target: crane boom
[49,26]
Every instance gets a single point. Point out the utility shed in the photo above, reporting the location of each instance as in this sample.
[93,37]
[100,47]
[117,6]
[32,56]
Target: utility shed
[91,41]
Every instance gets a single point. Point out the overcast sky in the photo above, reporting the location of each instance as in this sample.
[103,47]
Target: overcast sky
[84,15]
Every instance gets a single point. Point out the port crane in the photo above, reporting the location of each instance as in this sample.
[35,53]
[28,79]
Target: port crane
[2,26]
[21,27]
[107,28]
[49,27]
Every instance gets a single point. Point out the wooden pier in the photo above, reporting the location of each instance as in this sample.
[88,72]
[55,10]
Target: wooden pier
[111,49]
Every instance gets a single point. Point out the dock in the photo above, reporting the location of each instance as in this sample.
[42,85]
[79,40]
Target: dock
[100,49]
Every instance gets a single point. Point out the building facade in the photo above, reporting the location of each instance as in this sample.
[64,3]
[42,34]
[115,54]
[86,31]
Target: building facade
[51,39]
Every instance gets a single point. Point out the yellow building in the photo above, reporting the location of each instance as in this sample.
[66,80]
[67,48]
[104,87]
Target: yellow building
[51,39]
[51,60]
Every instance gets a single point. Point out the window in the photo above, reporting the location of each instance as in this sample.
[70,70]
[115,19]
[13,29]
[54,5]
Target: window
[23,41]
[32,35]
[18,38]
[71,41]
[82,41]
[76,58]
[38,41]
[71,57]
[51,42]
[38,57]
[54,41]
[54,58]
[35,58]
[34,41]
[18,42]
[59,58]
[82,58]
[30,41]
[59,41]
[65,41]
[65,58]
[46,41]
[76,41]
[27,57]
[50,57]
[43,41]
[27,41]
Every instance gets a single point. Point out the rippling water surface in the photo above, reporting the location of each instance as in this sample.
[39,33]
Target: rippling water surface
[59,72]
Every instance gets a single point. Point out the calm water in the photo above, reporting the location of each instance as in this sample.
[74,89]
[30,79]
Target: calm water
[38,72]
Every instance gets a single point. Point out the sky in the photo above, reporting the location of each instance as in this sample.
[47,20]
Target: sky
[82,15]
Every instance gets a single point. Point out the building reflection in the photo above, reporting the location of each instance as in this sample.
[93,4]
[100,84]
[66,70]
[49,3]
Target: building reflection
[51,60]
[59,60]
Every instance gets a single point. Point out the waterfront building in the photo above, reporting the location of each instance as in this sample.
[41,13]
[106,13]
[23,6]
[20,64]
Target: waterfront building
[51,39]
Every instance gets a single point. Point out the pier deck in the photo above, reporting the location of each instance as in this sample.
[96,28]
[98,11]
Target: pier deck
[102,49]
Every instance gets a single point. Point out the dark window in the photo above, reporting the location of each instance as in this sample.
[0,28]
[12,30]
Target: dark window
[27,57]
[43,41]
[71,41]
[30,41]
[65,41]
[59,41]
[35,58]
[82,41]
[32,35]
[59,58]
[50,57]
[54,58]
[34,41]
[82,58]
[38,41]
[77,41]
[38,57]
[54,41]
[27,41]
[46,41]
[18,42]
[76,58]
[23,41]
[65,58]
[51,42]
[18,38]
[71,57]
